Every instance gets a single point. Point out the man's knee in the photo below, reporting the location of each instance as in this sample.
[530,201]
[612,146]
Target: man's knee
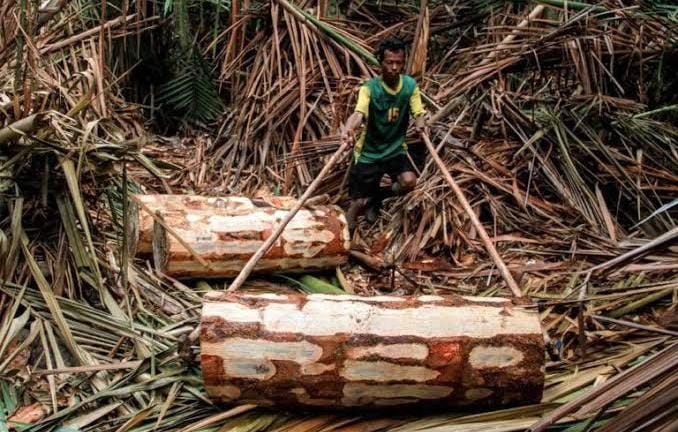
[362,202]
[408,181]
[358,204]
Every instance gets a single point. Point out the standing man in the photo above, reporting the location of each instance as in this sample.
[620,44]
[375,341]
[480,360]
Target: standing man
[385,104]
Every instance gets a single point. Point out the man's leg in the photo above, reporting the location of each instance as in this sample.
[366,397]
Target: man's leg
[363,184]
[355,209]
[373,209]
[407,181]
[403,180]
[402,175]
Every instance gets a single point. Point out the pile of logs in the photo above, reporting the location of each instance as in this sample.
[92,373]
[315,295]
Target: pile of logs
[332,351]
[205,237]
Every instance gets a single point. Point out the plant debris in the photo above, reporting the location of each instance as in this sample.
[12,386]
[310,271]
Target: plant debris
[556,118]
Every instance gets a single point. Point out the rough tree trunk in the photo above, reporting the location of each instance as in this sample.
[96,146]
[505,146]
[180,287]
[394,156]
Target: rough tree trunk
[226,237]
[348,351]
[140,232]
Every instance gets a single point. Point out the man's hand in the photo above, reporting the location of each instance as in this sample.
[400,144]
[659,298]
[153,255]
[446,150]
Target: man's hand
[420,124]
[347,130]
[346,135]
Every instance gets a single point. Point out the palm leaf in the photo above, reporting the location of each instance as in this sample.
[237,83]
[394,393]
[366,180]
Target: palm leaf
[190,94]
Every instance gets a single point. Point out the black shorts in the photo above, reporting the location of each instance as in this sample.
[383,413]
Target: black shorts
[364,178]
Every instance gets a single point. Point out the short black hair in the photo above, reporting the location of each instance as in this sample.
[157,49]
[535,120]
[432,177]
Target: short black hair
[391,44]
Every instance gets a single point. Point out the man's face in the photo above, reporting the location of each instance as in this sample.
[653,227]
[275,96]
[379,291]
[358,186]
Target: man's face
[392,64]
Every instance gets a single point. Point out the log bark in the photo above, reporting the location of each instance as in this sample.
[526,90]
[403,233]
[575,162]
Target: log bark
[370,352]
[140,233]
[227,236]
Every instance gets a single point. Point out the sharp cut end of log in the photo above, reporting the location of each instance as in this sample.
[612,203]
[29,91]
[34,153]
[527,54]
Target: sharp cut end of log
[160,247]
[132,234]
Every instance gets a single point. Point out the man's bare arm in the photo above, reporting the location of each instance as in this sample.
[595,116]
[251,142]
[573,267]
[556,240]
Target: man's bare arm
[348,130]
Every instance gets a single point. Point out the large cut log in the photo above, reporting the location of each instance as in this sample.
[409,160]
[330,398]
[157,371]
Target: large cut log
[225,238]
[140,230]
[349,351]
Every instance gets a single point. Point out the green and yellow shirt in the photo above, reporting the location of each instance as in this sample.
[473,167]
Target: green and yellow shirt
[387,113]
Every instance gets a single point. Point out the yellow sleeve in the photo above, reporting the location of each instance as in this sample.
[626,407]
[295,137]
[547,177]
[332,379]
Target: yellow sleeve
[363,105]
[416,107]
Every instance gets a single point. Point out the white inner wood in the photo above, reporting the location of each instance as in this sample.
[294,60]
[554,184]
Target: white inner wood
[490,357]
[319,317]
[394,351]
[356,370]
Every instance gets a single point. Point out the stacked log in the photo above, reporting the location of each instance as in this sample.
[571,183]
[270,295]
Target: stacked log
[140,231]
[221,238]
[349,351]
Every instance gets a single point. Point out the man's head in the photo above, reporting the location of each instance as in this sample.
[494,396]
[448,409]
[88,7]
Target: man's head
[391,55]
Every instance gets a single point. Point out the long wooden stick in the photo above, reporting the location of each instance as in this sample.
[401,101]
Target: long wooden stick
[245,272]
[536,12]
[93,368]
[19,127]
[474,219]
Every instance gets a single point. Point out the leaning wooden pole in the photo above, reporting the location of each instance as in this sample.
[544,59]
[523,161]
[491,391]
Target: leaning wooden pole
[474,219]
[247,269]
[19,128]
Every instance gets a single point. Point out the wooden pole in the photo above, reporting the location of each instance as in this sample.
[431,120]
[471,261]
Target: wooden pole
[18,128]
[474,219]
[245,272]
[536,12]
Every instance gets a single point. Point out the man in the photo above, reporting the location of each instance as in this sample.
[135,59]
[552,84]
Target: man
[385,103]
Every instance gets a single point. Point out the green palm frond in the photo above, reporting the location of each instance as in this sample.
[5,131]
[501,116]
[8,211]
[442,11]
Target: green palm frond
[663,8]
[189,93]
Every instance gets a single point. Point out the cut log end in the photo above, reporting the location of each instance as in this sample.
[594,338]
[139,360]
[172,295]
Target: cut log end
[349,351]
[160,247]
[132,234]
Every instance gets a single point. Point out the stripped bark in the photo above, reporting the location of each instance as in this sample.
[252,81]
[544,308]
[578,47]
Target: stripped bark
[226,236]
[349,351]
[140,233]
